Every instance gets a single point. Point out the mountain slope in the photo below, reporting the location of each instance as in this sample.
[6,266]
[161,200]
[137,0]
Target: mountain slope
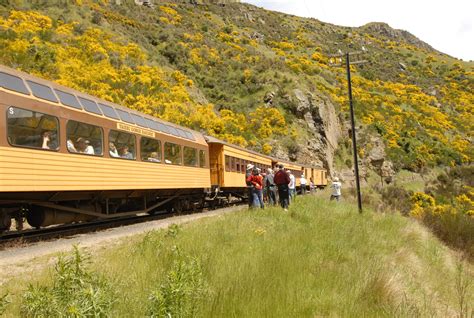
[254,77]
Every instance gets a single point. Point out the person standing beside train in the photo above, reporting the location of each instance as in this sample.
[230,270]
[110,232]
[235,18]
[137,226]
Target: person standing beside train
[257,182]
[303,182]
[282,180]
[248,174]
[336,189]
[291,186]
[270,185]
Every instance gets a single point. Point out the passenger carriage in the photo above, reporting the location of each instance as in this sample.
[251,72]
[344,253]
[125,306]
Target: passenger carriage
[228,164]
[75,175]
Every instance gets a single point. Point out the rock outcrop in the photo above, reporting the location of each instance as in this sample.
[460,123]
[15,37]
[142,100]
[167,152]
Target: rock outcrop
[385,30]
[377,160]
[319,114]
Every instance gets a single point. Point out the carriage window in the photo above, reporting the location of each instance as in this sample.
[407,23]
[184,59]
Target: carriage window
[90,106]
[151,124]
[202,159]
[42,91]
[181,133]
[125,116]
[150,149]
[172,131]
[139,120]
[227,163]
[13,83]
[173,154]
[189,135]
[109,111]
[190,157]
[84,138]
[237,168]
[32,129]
[164,128]
[68,99]
[122,145]
[243,166]
[232,163]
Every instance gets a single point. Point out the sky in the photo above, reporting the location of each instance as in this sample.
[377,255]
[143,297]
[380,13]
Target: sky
[448,26]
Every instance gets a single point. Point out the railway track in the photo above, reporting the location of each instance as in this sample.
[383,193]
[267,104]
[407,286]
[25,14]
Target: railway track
[11,239]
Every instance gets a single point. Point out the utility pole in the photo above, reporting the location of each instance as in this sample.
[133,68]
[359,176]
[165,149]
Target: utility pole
[336,60]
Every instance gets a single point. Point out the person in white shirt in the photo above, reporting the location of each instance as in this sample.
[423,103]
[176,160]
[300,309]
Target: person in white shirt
[113,152]
[70,146]
[303,184]
[83,146]
[292,185]
[336,189]
[89,149]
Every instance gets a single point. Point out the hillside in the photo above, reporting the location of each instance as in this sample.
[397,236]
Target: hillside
[253,77]
[320,259]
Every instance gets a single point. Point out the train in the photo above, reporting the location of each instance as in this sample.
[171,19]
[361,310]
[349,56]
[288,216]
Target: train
[66,156]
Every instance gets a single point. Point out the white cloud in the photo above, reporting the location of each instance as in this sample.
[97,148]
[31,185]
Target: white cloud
[447,26]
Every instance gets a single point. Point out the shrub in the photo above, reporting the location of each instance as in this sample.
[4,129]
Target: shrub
[4,301]
[397,199]
[75,292]
[181,292]
[456,229]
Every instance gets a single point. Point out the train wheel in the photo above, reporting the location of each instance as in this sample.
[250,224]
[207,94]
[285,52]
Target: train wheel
[36,216]
[5,222]
[178,206]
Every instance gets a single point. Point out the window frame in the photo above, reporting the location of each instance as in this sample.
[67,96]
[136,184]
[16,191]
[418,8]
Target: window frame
[35,85]
[26,90]
[120,157]
[227,163]
[58,149]
[81,153]
[59,93]
[200,151]
[86,103]
[197,157]
[161,151]
[181,154]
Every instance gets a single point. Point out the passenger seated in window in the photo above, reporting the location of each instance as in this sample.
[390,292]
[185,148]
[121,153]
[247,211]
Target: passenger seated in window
[125,153]
[83,146]
[48,138]
[89,148]
[113,150]
[154,157]
[70,146]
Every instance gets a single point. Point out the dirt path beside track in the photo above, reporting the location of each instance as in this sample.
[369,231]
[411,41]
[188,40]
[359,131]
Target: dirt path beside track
[15,261]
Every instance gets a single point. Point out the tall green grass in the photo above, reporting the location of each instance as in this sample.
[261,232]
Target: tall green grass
[319,259]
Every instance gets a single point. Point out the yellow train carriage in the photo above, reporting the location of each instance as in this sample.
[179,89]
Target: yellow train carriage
[228,164]
[62,150]
[320,177]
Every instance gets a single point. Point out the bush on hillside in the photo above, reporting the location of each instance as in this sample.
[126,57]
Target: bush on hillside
[397,198]
[454,228]
[447,207]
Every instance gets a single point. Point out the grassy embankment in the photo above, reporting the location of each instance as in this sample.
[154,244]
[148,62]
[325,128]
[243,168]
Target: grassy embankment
[320,258]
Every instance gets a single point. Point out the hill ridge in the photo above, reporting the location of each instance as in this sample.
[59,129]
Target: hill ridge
[255,78]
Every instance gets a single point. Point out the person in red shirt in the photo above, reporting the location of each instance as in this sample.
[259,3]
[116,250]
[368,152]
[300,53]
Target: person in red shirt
[282,180]
[256,180]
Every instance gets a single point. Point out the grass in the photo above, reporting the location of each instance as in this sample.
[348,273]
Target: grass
[319,259]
